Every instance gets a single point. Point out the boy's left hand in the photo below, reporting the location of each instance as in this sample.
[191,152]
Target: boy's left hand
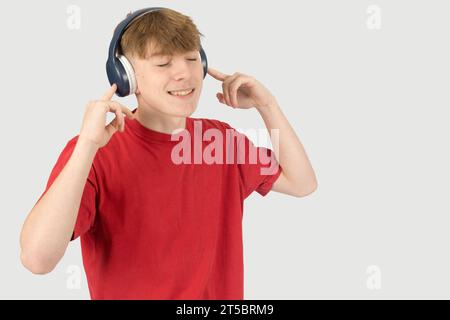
[242,91]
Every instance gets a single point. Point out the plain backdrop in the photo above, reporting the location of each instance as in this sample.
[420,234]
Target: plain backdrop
[370,105]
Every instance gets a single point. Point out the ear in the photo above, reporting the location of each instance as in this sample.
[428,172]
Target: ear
[137,87]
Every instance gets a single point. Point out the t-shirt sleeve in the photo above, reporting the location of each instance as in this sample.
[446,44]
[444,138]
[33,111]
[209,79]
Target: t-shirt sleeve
[258,166]
[88,205]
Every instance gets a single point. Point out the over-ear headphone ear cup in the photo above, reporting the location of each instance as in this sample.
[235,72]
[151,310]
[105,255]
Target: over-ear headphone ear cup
[129,72]
[204,61]
[118,75]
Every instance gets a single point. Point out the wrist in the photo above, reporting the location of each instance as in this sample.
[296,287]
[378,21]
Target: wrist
[268,107]
[87,143]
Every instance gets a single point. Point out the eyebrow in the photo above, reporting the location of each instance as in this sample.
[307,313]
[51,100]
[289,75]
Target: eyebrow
[159,54]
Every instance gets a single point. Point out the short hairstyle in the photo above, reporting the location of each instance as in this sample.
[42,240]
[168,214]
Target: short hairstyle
[165,30]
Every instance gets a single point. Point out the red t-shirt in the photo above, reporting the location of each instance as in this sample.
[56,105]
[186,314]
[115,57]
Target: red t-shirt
[154,229]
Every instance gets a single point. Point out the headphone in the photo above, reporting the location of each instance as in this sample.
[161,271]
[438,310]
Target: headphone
[118,67]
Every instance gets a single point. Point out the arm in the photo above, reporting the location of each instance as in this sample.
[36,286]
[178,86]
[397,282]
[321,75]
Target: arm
[48,228]
[244,92]
[298,177]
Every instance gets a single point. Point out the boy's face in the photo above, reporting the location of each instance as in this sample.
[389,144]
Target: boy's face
[157,74]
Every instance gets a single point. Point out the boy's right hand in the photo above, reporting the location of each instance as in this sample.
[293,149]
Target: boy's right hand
[93,127]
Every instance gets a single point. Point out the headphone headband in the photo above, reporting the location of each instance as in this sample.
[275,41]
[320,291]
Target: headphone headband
[120,29]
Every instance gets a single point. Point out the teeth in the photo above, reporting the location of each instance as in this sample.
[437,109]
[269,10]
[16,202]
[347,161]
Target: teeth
[181,93]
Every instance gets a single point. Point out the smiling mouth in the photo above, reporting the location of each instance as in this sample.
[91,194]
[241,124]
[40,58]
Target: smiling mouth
[181,93]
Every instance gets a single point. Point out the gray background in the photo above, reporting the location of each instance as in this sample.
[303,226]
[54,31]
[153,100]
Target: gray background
[371,108]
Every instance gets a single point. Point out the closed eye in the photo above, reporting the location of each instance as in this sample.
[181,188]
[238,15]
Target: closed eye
[163,65]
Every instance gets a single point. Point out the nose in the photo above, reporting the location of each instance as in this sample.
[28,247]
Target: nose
[181,70]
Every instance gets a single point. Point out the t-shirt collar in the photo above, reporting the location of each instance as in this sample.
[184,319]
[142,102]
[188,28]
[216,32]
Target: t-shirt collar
[152,135]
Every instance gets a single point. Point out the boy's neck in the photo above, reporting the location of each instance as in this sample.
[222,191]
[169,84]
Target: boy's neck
[159,122]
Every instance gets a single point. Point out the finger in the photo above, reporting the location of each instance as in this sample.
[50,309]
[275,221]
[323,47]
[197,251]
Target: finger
[225,93]
[119,115]
[112,127]
[220,97]
[116,108]
[124,109]
[226,89]
[128,112]
[217,74]
[233,90]
[113,105]
[109,94]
